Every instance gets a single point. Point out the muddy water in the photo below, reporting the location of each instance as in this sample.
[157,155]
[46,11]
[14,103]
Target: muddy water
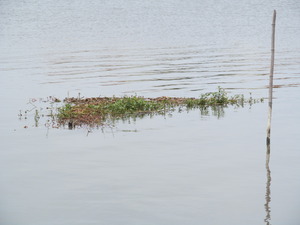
[186,168]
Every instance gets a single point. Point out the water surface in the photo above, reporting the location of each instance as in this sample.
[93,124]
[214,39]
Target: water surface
[185,169]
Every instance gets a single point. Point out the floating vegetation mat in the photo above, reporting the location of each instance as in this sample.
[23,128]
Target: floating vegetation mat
[101,111]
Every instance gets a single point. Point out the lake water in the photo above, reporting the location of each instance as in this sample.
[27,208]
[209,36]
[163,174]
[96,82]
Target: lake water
[186,168]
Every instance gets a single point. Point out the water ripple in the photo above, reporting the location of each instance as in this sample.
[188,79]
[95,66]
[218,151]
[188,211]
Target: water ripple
[188,68]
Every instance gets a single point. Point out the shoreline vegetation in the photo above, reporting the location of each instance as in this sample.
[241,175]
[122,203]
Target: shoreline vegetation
[101,111]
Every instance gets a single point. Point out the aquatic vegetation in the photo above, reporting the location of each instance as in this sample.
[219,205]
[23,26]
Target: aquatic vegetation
[103,110]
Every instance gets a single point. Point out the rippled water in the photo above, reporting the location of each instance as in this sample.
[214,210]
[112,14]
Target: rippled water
[185,169]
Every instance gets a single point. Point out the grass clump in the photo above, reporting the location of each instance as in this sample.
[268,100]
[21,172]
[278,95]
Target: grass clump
[215,98]
[134,104]
[97,111]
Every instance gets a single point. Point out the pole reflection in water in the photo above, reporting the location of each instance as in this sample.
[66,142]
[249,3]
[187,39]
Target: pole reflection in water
[268,188]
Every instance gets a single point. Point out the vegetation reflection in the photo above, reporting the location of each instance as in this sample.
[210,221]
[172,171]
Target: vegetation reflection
[268,188]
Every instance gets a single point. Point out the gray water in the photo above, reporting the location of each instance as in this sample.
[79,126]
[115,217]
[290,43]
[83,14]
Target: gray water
[187,168]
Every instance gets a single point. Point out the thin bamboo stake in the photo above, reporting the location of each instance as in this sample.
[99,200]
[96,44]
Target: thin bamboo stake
[271,78]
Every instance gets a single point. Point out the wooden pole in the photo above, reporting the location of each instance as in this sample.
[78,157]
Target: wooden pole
[271,78]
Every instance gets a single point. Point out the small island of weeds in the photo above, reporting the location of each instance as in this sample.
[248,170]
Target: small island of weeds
[103,110]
